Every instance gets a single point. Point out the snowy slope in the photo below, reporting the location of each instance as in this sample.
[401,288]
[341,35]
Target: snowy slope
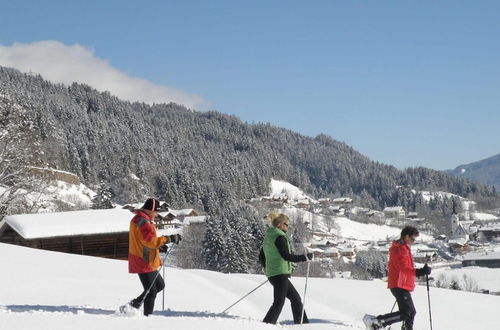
[280,189]
[346,228]
[48,290]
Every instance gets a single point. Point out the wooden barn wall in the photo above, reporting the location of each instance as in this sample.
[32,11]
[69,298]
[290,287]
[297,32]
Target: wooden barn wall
[113,245]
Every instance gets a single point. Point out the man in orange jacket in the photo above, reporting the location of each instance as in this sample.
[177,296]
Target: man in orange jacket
[144,255]
[401,281]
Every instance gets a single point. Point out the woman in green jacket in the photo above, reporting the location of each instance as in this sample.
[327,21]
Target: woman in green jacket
[276,257]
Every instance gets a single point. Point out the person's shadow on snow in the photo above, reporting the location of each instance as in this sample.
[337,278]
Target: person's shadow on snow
[171,313]
[99,311]
[55,309]
[317,321]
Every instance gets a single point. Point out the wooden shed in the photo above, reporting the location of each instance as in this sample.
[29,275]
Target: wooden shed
[100,233]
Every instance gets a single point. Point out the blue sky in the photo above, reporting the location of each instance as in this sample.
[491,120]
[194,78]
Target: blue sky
[407,83]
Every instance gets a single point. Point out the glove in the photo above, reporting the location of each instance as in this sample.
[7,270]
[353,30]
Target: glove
[426,270]
[164,248]
[174,238]
[309,256]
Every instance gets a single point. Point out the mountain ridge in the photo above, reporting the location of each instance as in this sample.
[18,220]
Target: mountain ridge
[485,171]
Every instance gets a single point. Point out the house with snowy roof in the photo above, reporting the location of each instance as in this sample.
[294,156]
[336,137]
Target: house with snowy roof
[181,214]
[193,220]
[425,256]
[394,212]
[342,201]
[332,252]
[101,233]
[490,259]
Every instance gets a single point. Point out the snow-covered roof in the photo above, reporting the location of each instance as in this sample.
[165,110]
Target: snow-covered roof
[486,255]
[195,219]
[427,249]
[320,242]
[331,250]
[424,254]
[458,241]
[342,200]
[484,216]
[393,209]
[42,225]
[182,212]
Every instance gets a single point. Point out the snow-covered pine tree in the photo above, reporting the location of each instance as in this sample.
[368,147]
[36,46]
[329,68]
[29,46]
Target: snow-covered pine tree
[214,244]
[103,198]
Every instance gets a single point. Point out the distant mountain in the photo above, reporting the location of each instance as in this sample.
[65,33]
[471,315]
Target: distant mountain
[486,171]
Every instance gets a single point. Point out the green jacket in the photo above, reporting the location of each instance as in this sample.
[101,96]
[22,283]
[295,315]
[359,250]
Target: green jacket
[275,264]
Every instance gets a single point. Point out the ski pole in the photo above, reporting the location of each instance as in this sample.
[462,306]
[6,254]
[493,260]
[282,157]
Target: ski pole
[244,296]
[428,299]
[305,291]
[157,273]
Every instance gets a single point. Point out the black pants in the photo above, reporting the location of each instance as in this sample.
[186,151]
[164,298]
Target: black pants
[283,288]
[406,311]
[147,280]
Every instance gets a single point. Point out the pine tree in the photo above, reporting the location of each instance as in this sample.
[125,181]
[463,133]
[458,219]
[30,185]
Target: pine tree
[103,198]
[214,245]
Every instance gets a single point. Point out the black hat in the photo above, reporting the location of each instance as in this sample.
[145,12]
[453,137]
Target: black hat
[151,204]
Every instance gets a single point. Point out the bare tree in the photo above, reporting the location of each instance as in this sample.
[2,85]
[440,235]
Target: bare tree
[469,283]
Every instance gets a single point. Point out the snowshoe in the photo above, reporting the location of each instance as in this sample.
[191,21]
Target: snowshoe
[372,323]
[132,308]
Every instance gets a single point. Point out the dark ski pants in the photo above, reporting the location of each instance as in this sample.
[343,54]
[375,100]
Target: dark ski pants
[283,288]
[147,280]
[406,311]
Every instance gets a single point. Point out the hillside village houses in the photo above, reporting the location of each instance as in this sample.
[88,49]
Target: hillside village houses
[397,212]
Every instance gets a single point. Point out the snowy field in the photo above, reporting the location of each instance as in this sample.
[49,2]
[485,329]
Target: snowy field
[48,290]
[485,278]
[349,229]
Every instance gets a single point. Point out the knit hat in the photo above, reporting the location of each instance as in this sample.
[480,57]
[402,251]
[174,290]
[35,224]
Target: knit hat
[151,204]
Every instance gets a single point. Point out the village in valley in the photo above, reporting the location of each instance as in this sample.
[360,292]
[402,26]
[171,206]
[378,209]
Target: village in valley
[335,230]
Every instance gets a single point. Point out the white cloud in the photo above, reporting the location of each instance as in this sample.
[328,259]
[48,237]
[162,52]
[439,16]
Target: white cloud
[60,63]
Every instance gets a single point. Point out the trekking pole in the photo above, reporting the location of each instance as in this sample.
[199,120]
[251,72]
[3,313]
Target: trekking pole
[163,300]
[305,291]
[244,296]
[393,306]
[157,273]
[428,299]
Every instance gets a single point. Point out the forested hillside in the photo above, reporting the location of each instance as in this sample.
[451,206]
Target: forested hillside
[188,157]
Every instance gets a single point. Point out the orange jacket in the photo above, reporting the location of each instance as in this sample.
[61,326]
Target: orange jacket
[401,270]
[143,254]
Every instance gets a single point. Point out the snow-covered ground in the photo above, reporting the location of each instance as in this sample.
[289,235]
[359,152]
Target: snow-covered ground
[345,228]
[485,278]
[484,216]
[48,290]
[53,196]
[283,189]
